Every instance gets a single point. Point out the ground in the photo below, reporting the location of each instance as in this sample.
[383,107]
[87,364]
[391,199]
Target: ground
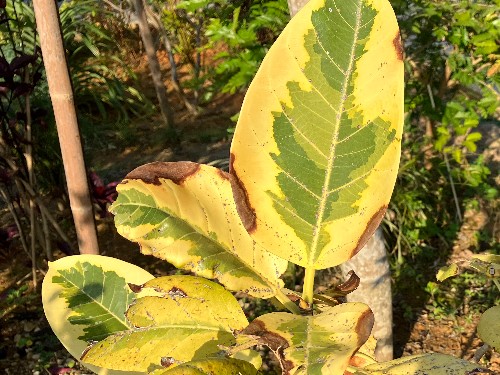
[27,344]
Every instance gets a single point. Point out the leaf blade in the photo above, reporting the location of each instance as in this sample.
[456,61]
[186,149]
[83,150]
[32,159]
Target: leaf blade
[185,213]
[322,147]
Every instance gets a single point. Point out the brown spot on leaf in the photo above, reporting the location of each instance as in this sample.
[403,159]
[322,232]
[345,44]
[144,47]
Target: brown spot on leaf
[349,285]
[167,361]
[177,293]
[273,341]
[398,46]
[135,288]
[245,210]
[176,172]
[370,229]
[364,326]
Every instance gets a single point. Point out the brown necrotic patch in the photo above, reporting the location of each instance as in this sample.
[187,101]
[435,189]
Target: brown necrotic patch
[177,172]
[398,46]
[240,194]
[364,326]
[370,229]
[272,340]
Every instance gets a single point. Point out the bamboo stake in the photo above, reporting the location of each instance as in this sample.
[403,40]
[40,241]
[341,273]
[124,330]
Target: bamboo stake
[61,94]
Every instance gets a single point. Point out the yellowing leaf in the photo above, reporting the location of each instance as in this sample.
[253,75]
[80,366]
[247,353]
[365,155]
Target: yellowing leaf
[85,298]
[316,149]
[319,344]
[420,364]
[488,328]
[188,320]
[185,213]
[447,272]
[213,366]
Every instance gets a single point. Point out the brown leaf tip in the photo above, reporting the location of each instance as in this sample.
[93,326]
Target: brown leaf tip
[371,226]
[398,46]
[177,172]
[350,285]
[240,194]
[135,288]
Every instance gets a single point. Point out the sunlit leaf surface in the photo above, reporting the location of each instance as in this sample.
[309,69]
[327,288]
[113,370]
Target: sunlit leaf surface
[214,366]
[319,344]
[316,148]
[421,364]
[185,213]
[187,320]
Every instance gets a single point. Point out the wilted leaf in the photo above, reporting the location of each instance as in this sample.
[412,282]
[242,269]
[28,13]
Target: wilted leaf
[187,320]
[316,148]
[215,366]
[185,213]
[488,328]
[85,298]
[420,364]
[319,344]
[447,272]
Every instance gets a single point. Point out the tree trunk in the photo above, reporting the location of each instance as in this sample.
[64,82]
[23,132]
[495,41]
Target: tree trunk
[372,266]
[61,94]
[154,66]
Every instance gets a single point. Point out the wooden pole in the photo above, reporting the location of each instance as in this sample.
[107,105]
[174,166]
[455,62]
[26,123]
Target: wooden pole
[61,94]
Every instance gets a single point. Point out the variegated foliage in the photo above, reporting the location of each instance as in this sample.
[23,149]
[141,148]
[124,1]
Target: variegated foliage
[322,121]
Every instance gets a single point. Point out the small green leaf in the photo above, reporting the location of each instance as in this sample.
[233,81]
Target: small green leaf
[488,328]
[212,366]
[434,363]
[447,272]
[187,319]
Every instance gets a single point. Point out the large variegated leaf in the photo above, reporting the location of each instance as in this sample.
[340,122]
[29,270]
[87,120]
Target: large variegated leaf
[188,320]
[431,364]
[85,298]
[212,366]
[316,148]
[488,328]
[185,213]
[318,344]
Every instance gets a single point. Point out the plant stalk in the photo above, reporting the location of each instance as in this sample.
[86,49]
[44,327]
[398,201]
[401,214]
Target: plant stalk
[285,301]
[308,287]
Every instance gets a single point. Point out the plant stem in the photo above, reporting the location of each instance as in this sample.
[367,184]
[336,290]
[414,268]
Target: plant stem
[285,301]
[308,287]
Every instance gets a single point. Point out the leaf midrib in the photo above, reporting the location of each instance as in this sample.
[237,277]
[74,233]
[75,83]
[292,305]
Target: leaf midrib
[123,322]
[331,156]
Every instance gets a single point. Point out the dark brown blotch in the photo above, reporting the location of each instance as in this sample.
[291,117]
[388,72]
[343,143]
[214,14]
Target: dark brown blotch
[175,292]
[365,326]
[167,361]
[135,288]
[177,172]
[240,195]
[370,229]
[398,46]
[273,341]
